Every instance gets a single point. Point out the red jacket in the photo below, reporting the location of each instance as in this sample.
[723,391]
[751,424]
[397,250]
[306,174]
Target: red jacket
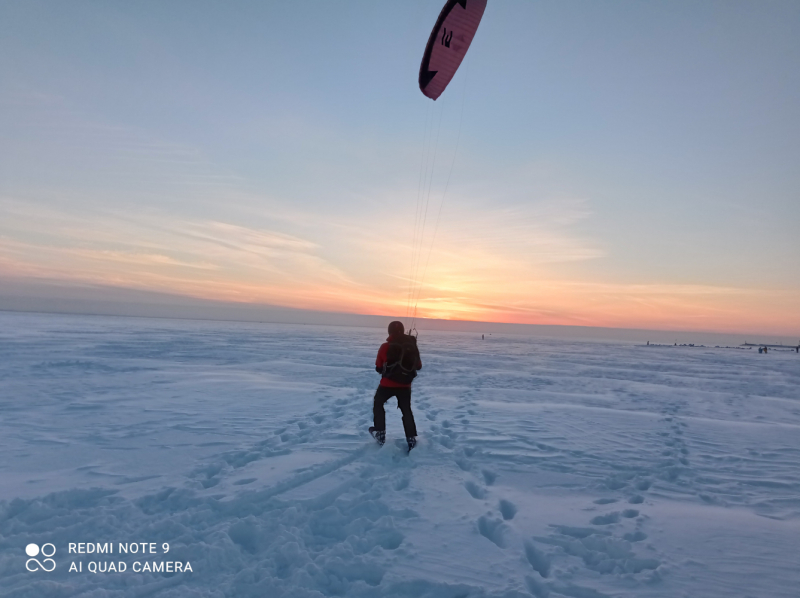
[380,361]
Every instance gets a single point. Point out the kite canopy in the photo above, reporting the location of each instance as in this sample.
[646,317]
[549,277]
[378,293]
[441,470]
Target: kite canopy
[448,44]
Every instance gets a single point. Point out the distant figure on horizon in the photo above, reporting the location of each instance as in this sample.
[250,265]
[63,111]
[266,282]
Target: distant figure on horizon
[398,362]
[481,337]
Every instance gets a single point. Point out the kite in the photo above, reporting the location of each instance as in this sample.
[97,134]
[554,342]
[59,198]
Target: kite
[448,44]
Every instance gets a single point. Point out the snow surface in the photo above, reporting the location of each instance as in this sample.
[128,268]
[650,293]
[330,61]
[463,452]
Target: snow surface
[544,467]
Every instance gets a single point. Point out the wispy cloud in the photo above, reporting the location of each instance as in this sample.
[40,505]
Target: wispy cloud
[487,263]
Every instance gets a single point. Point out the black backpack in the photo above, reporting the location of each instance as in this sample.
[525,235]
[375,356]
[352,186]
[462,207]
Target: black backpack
[401,360]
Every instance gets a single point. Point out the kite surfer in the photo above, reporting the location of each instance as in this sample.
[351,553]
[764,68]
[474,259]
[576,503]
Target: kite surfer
[398,362]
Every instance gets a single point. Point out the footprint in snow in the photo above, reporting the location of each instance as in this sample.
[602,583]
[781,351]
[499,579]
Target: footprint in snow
[475,490]
[613,484]
[401,483]
[464,464]
[489,476]
[493,529]
[508,509]
[537,559]
[445,441]
[607,519]
[605,501]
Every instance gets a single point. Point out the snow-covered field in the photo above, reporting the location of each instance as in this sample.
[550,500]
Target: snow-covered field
[544,467]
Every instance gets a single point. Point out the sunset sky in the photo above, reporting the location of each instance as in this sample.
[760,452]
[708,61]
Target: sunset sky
[625,164]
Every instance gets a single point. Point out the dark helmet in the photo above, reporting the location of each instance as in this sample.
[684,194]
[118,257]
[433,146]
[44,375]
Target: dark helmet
[396,328]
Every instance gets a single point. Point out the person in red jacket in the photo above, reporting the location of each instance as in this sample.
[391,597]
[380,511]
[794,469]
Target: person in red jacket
[398,361]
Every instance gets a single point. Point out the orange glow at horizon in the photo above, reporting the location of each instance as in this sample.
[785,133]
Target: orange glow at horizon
[485,279]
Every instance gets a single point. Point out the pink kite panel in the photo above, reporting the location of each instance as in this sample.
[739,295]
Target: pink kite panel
[448,44]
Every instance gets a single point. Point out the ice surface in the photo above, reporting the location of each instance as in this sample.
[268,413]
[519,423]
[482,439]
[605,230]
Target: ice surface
[544,468]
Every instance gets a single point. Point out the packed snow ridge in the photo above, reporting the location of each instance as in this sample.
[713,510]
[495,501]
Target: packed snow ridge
[544,468]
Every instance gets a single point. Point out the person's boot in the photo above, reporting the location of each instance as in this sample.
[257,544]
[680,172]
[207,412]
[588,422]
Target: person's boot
[412,442]
[378,435]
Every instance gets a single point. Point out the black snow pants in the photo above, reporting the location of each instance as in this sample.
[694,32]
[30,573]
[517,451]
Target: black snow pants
[383,394]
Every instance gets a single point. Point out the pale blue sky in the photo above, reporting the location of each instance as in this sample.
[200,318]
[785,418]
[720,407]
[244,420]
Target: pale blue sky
[617,144]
